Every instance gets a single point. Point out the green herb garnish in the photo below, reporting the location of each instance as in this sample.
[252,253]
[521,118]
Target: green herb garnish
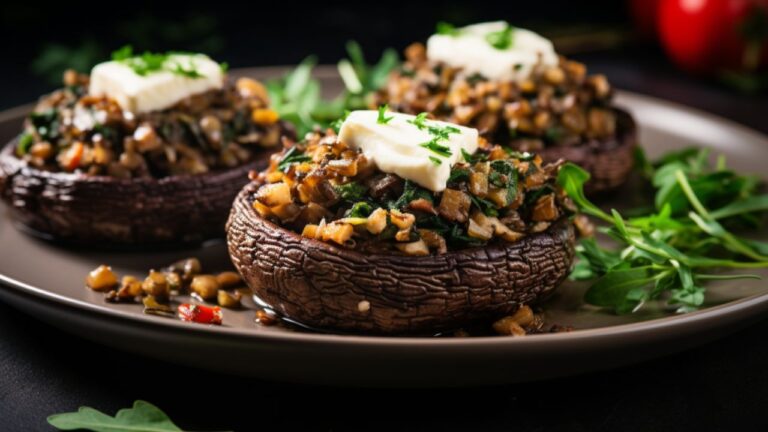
[434,146]
[336,124]
[435,160]
[419,121]
[458,174]
[502,39]
[444,28]
[382,118]
[352,191]
[359,210]
[411,191]
[670,253]
[25,143]
[485,206]
[291,157]
[142,417]
[149,62]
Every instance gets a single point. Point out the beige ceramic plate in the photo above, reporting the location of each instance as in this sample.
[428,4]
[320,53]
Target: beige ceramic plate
[47,281]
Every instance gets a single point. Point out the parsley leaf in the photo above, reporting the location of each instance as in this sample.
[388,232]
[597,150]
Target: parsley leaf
[502,39]
[437,148]
[382,118]
[444,28]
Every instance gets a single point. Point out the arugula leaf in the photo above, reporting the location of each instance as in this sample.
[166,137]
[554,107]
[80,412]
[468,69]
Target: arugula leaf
[143,417]
[666,254]
[572,178]
[622,290]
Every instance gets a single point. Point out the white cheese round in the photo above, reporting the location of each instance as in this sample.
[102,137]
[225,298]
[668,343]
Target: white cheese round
[396,147]
[470,50]
[156,90]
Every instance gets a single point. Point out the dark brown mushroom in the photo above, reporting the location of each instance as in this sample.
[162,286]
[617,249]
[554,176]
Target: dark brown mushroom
[99,210]
[609,161]
[325,286]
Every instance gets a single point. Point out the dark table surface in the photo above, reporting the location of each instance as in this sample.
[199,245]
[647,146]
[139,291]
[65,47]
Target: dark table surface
[721,386]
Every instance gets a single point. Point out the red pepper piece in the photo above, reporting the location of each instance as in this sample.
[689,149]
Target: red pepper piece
[200,314]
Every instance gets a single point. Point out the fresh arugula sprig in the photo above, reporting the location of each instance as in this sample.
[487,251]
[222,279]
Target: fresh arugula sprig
[670,253]
[297,96]
[361,79]
[143,416]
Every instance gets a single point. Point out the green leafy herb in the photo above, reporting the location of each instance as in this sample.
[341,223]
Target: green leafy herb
[291,157]
[46,123]
[487,207]
[435,160]
[419,121]
[670,253]
[504,175]
[296,96]
[444,28]
[149,62]
[352,191]
[437,148]
[25,142]
[411,192]
[382,118]
[502,39]
[224,66]
[473,158]
[143,417]
[362,80]
[458,175]
[359,210]
[336,124]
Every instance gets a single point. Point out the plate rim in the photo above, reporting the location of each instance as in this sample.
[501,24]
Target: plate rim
[667,323]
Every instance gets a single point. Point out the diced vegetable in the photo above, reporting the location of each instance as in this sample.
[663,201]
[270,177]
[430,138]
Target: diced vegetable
[200,314]
[101,278]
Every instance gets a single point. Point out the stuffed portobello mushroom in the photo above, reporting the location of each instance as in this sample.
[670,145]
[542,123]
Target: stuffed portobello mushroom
[149,148]
[511,85]
[400,224]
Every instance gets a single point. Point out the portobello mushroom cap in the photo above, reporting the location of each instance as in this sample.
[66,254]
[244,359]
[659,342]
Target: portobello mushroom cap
[608,161]
[324,286]
[85,209]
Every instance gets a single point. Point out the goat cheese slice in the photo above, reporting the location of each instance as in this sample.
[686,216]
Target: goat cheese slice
[469,49]
[400,147]
[157,89]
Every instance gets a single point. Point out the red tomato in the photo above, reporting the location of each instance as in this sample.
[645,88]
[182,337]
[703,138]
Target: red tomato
[705,36]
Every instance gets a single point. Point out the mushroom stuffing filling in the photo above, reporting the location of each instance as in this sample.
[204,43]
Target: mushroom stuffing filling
[555,106]
[70,131]
[325,190]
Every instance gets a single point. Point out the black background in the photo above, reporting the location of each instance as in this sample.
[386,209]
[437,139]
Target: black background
[722,386]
